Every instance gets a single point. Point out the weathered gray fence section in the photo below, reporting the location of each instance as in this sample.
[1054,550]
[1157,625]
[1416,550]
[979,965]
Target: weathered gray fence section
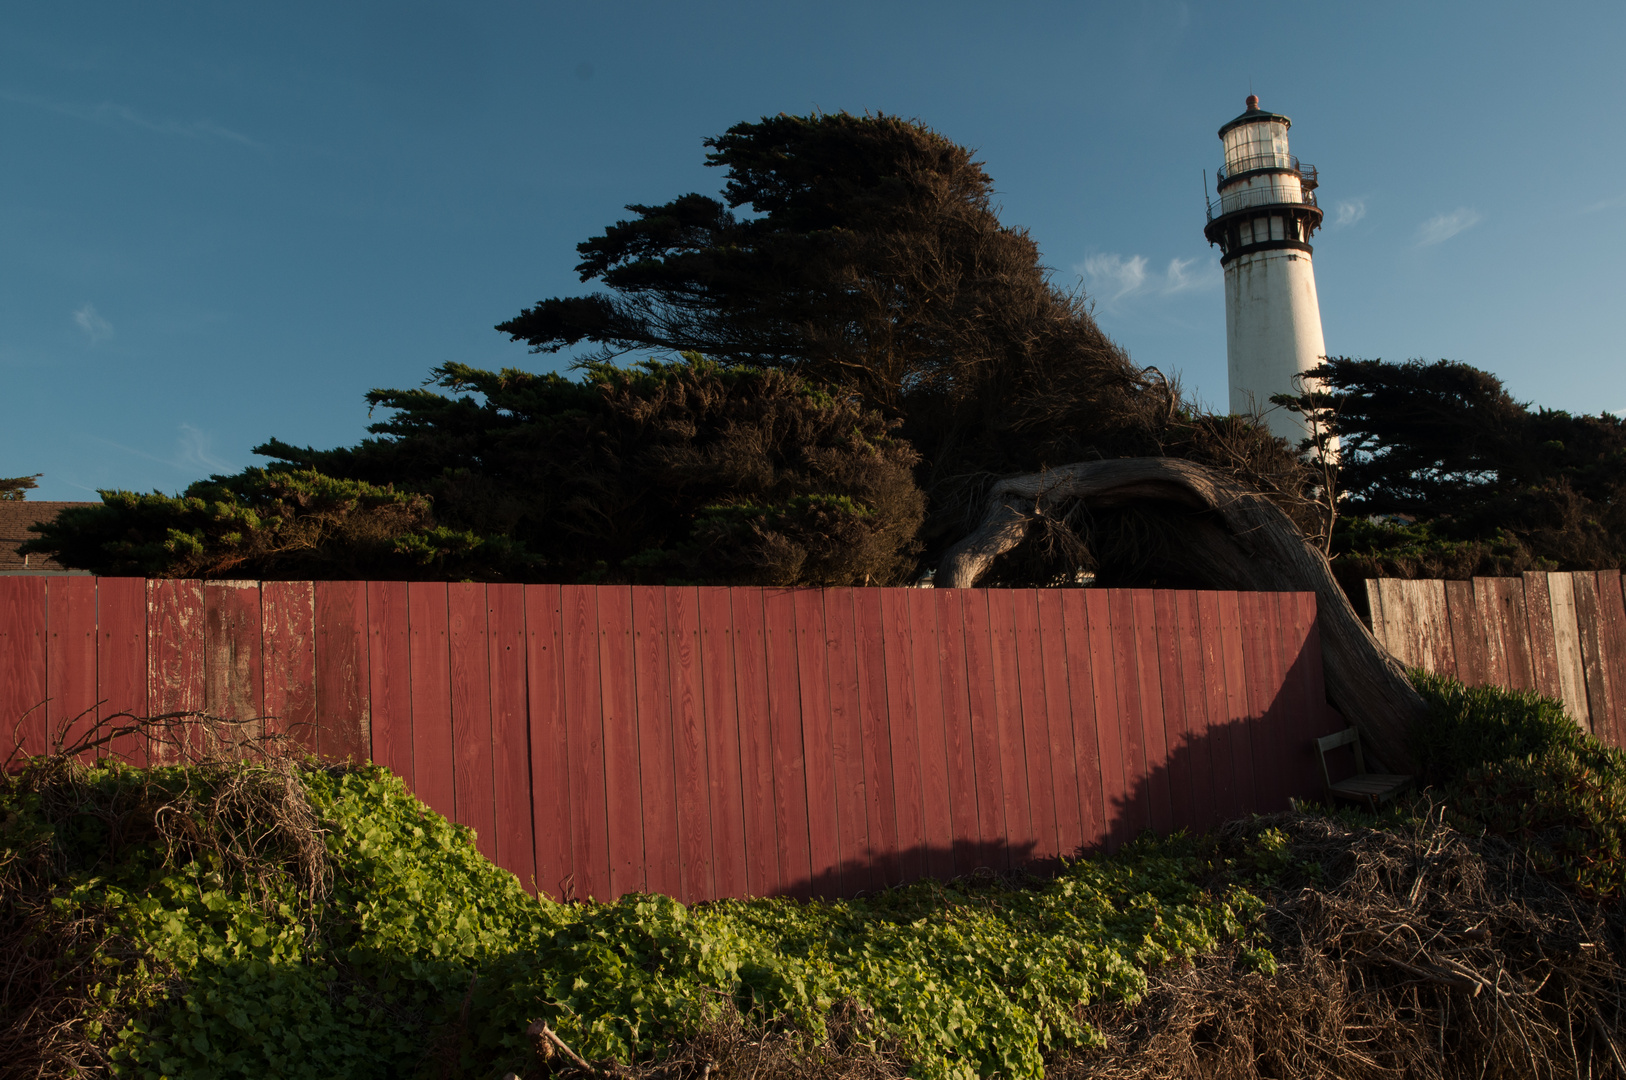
[1562,634]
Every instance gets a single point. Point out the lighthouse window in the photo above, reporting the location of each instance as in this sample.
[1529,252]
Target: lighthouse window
[1276,229]
[1247,232]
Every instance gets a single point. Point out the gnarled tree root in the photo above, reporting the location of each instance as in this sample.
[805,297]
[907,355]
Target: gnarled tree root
[1238,540]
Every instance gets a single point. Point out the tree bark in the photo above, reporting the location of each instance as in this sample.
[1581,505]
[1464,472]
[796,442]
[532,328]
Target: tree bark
[1252,546]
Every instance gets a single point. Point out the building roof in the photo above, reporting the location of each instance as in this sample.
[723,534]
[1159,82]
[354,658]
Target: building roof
[16,515]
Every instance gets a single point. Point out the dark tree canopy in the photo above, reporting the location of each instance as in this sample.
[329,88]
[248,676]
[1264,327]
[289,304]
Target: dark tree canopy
[16,488]
[683,471]
[865,253]
[1494,485]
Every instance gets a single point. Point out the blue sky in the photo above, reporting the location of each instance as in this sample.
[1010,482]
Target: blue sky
[220,223]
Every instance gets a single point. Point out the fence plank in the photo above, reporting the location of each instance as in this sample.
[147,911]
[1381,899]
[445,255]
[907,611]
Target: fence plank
[657,761]
[756,744]
[1435,625]
[847,742]
[1020,838]
[693,782]
[992,849]
[510,734]
[1612,626]
[1197,745]
[1508,594]
[880,807]
[1567,645]
[433,753]
[623,786]
[468,646]
[1137,812]
[904,731]
[1109,727]
[389,677]
[557,819]
[925,659]
[1399,622]
[1059,752]
[1304,696]
[1467,633]
[70,658]
[584,719]
[1083,720]
[343,713]
[1490,624]
[1594,663]
[1035,725]
[1154,738]
[232,657]
[1236,699]
[1538,612]
[960,756]
[1374,607]
[1260,675]
[1217,700]
[288,633]
[121,661]
[789,752]
[174,652]
[724,800]
[1176,760]
[818,746]
[23,690]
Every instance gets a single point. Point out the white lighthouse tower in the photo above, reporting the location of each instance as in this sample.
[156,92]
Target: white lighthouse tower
[1263,223]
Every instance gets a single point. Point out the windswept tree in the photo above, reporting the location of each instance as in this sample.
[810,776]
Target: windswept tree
[16,488]
[866,254]
[681,471]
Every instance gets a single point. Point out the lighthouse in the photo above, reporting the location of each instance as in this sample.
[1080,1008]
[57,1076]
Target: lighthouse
[1262,224]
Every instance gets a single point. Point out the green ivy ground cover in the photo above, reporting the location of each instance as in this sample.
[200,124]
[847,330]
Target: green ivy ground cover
[977,978]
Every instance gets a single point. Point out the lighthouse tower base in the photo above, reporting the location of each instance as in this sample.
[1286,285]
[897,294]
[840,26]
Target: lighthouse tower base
[1272,333]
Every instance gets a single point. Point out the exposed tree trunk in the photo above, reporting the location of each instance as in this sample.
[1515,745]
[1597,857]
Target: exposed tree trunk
[1238,540]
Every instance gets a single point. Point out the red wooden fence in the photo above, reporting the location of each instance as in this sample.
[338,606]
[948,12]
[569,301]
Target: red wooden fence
[711,742]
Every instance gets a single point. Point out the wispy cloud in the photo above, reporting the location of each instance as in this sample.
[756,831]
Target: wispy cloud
[1442,227]
[1349,211]
[195,449]
[113,114]
[1606,204]
[96,329]
[1113,277]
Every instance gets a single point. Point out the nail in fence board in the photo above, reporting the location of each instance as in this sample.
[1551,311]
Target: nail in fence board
[343,674]
[71,713]
[288,635]
[121,659]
